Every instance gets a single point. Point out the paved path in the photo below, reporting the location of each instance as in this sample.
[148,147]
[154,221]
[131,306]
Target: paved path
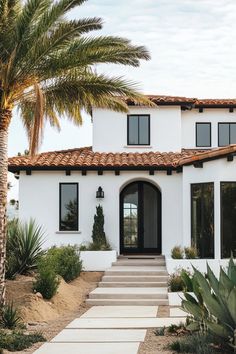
[118,329]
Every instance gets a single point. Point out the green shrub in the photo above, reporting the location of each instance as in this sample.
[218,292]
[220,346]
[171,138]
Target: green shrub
[96,247]
[190,252]
[100,242]
[17,341]
[83,248]
[160,331]
[65,261]
[10,317]
[180,281]
[24,247]
[47,280]
[197,343]
[99,246]
[176,282]
[98,234]
[177,252]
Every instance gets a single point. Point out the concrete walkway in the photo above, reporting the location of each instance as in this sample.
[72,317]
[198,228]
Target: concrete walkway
[116,328]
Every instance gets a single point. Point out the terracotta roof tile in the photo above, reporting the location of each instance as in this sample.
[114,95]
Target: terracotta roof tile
[208,155]
[192,102]
[162,99]
[85,157]
[215,102]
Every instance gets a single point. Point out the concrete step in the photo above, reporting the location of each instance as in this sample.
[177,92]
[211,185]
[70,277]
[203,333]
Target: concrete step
[134,262]
[137,278]
[135,272]
[141,257]
[128,296]
[129,293]
[127,302]
[106,284]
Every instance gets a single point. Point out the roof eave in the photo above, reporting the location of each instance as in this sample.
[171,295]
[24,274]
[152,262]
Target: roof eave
[16,169]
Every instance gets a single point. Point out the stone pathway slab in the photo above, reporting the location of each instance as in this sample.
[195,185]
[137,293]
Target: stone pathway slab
[124,322]
[177,312]
[121,311]
[100,335]
[88,348]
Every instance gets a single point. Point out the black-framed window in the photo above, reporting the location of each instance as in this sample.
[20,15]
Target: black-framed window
[68,200]
[202,219]
[138,129]
[203,134]
[226,134]
[228,217]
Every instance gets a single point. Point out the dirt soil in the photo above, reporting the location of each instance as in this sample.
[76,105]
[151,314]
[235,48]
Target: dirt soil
[50,317]
[155,344]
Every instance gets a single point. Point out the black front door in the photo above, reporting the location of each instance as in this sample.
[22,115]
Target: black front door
[140,218]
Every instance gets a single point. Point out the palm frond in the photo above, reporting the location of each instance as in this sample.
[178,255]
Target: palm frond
[46,47]
[9,10]
[91,90]
[54,15]
[30,15]
[86,52]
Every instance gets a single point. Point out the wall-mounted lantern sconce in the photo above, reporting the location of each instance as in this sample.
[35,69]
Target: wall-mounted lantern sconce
[100,193]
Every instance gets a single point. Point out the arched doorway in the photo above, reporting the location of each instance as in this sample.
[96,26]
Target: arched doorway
[140,218]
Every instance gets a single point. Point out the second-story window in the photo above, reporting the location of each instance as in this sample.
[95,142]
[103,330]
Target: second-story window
[203,134]
[138,130]
[226,134]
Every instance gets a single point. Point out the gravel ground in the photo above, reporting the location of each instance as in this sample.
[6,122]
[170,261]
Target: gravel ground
[156,344]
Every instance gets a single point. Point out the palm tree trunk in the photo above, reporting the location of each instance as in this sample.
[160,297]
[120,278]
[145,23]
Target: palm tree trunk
[5,117]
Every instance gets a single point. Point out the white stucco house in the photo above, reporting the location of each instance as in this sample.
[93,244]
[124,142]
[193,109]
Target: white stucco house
[167,176]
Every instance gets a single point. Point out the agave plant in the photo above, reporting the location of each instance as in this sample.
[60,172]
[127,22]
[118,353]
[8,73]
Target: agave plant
[24,246]
[10,317]
[214,306]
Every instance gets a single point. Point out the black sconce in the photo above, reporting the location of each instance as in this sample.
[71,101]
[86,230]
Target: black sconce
[100,193]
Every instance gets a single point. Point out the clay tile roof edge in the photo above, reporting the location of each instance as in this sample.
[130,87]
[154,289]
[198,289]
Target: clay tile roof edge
[190,101]
[208,155]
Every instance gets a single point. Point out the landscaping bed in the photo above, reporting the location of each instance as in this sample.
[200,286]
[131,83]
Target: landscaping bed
[50,316]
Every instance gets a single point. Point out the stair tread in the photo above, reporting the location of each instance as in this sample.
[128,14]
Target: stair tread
[133,290]
[134,302]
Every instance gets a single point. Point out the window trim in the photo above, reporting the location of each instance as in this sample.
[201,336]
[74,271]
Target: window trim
[149,125]
[197,145]
[77,212]
[191,211]
[219,132]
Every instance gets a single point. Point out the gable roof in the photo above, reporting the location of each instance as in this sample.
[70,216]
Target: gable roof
[86,158]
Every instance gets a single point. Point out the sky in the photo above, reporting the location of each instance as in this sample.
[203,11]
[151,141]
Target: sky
[193,53]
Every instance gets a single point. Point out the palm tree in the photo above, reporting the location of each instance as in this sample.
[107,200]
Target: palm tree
[47,71]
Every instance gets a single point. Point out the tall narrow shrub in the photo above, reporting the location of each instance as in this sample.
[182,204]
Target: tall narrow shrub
[98,234]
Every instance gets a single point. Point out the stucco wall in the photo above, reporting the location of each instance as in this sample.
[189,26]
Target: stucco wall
[213,116]
[213,171]
[170,129]
[39,198]
[110,130]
